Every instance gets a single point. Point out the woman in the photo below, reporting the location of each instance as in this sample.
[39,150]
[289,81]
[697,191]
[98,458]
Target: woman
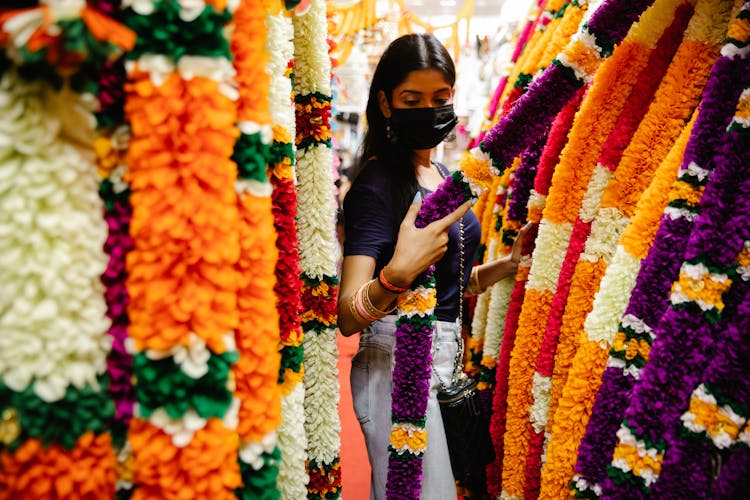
[409,112]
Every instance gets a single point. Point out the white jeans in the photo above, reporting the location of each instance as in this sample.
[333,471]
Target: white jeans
[371,382]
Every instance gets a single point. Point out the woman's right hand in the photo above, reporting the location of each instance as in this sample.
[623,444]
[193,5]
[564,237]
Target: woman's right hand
[418,248]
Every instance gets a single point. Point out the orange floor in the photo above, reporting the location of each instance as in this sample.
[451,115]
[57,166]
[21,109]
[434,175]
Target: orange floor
[355,469]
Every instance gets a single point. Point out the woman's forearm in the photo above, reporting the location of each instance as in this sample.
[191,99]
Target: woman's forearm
[489,273]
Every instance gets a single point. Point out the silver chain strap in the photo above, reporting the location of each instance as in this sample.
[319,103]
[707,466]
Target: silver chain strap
[458,373]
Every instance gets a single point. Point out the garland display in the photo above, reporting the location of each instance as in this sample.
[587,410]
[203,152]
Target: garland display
[651,442]
[649,297]
[292,478]
[604,101]
[54,399]
[182,276]
[256,373]
[318,249]
[670,109]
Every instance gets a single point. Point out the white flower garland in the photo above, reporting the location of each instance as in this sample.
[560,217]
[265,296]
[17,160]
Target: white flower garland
[293,476]
[317,243]
[54,320]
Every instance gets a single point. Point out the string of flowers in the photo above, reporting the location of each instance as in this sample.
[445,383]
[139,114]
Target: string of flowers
[493,304]
[318,249]
[500,292]
[55,411]
[692,323]
[492,320]
[535,20]
[489,209]
[493,217]
[649,297]
[597,230]
[556,141]
[256,373]
[631,250]
[673,103]
[293,477]
[605,99]
[181,105]
[411,373]
[110,148]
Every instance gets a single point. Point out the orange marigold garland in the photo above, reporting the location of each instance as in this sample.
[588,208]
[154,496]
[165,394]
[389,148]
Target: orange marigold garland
[182,279]
[256,373]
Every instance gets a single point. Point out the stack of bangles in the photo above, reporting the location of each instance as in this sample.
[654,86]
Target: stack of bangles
[361,305]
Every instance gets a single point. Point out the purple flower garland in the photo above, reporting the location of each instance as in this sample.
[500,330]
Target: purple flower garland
[534,112]
[659,269]
[727,378]
[412,353]
[685,337]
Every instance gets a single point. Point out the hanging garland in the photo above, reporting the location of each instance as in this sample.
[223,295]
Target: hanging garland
[556,141]
[412,357]
[318,249]
[604,101]
[651,442]
[293,478]
[256,373]
[675,100]
[181,105]
[620,277]
[55,408]
[494,216]
[649,297]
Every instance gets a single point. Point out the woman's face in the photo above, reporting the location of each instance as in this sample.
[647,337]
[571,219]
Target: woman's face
[423,88]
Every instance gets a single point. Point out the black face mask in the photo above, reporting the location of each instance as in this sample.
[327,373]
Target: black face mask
[423,128]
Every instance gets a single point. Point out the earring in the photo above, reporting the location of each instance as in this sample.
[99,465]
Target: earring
[388,132]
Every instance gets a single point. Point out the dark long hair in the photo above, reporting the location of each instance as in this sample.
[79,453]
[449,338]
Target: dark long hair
[404,55]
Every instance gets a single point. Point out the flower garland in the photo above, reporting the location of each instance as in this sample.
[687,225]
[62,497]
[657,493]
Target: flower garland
[659,269]
[575,65]
[493,216]
[604,102]
[556,141]
[556,35]
[634,243]
[256,373]
[675,99]
[533,19]
[110,148]
[318,249]
[412,357]
[53,387]
[708,285]
[183,284]
[500,292]
[291,433]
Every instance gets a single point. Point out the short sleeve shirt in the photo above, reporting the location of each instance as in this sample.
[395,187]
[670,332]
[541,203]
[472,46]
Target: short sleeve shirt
[371,229]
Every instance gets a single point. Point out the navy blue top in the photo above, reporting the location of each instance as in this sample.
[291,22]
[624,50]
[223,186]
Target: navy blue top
[370,229]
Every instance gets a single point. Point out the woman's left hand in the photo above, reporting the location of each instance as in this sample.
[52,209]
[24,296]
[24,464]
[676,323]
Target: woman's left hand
[515,252]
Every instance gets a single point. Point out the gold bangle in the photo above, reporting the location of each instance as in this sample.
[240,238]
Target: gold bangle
[474,287]
[369,306]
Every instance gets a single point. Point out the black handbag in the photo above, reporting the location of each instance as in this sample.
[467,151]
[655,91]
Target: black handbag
[467,431]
